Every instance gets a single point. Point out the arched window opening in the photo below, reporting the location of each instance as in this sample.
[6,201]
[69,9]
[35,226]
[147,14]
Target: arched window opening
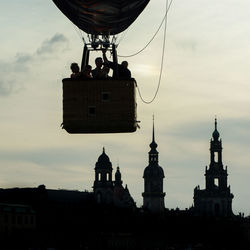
[216,157]
[216,182]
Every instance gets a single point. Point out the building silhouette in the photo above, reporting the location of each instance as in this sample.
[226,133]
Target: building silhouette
[216,198]
[103,184]
[153,196]
[107,218]
[107,191]
[16,217]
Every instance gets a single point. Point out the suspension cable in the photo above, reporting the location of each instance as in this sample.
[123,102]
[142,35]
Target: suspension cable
[162,61]
[165,17]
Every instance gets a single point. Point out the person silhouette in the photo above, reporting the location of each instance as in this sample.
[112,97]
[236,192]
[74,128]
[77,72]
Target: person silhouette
[123,71]
[75,70]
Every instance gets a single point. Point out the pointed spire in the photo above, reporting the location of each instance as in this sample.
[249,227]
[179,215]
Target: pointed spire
[153,145]
[103,150]
[153,153]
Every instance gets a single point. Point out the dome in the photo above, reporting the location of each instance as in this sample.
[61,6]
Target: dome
[103,158]
[103,161]
[153,171]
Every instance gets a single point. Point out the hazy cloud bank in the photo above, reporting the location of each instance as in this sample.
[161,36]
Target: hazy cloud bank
[14,72]
[60,156]
[231,129]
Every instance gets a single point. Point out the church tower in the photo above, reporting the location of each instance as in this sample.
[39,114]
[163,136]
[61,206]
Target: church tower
[153,196]
[103,184]
[215,199]
[107,191]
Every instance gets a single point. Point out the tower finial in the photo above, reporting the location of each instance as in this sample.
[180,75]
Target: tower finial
[216,134]
[103,149]
[153,128]
[153,144]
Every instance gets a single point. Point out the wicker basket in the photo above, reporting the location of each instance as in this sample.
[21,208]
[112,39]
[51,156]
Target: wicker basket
[99,106]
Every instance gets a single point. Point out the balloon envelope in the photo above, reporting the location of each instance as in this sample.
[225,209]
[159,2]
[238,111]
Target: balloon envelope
[102,17]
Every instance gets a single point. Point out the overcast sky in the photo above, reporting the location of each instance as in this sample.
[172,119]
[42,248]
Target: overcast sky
[206,74]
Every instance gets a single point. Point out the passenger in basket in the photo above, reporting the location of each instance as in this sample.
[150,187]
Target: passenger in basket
[86,74]
[97,72]
[75,70]
[101,71]
[123,71]
[105,72]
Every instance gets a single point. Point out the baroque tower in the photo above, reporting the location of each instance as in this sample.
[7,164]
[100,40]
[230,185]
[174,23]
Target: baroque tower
[153,196]
[216,198]
[107,191]
[103,184]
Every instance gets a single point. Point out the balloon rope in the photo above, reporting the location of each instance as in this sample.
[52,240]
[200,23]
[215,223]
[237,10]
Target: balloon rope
[162,61]
[164,18]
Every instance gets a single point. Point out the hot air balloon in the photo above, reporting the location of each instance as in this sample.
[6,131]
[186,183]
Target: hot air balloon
[100,106]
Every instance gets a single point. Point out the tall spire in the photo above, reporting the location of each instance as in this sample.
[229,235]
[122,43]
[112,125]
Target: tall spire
[153,196]
[153,153]
[153,145]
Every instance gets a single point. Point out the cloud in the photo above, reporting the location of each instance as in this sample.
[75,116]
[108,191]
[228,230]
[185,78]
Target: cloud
[42,165]
[57,157]
[22,58]
[14,72]
[233,128]
[58,43]
[5,88]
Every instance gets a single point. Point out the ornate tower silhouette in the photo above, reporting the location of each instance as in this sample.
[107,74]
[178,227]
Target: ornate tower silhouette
[122,197]
[103,184]
[216,198]
[153,196]
[107,191]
